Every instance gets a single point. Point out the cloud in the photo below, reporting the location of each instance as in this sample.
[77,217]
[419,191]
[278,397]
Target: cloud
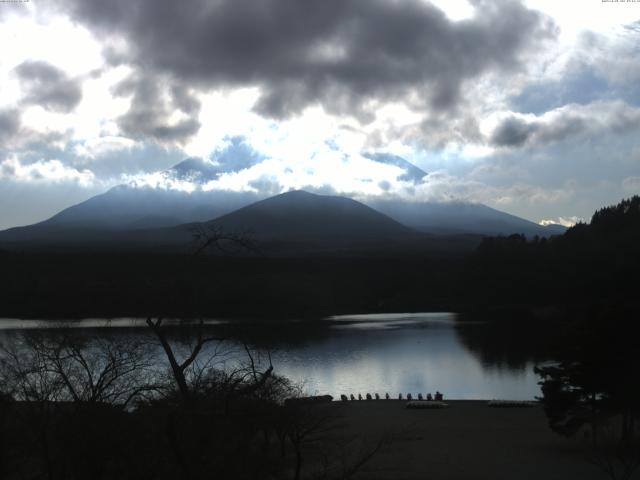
[580,82]
[564,221]
[239,167]
[15,135]
[444,186]
[111,159]
[631,185]
[46,85]
[191,174]
[97,148]
[155,104]
[513,132]
[614,58]
[331,171]
[44,171]
[517,130]
[9,124]
[346,55]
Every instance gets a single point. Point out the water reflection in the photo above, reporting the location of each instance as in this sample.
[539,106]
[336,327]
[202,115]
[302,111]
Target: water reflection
[418,353]
[396,320]
[86,323]
[361,353]
[511,344]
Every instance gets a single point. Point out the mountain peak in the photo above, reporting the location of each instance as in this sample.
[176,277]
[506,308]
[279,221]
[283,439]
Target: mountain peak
[298,193]
[195,169]
[411,173]
[301,213]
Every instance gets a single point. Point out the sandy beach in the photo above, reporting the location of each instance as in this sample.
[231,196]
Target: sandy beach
[468,440]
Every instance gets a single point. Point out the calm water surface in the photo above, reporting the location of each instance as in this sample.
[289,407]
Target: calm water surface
[361,353]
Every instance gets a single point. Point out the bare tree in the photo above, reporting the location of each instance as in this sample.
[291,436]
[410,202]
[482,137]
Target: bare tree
[207,236]
[179,368]
[62,367]
[24,372]
[71,395]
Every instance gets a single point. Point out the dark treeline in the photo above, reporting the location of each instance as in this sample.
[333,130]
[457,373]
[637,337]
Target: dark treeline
[591,265]
[41,285]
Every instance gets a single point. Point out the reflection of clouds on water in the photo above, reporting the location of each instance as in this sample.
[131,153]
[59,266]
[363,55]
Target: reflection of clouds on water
[361,360]
[19,324]
[366,353]
[392,320]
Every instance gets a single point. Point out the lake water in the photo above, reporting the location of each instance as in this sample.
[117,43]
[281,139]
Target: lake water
[417,353]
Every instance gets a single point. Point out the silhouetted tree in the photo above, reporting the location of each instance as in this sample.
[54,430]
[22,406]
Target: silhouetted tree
[209,237]
[69,401]
[594,386]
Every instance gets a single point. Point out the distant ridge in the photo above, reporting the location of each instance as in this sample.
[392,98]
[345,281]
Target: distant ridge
[124,207]
[124,213]
[451,218]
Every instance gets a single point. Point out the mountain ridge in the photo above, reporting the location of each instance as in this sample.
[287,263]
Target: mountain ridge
[308,210]
[137,207]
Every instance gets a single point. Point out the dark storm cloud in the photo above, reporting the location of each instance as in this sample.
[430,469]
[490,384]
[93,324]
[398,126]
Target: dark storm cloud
[9,124]
[513,132]
[48,86]
[516,132]
[570,121]
[337,53]
[152,104]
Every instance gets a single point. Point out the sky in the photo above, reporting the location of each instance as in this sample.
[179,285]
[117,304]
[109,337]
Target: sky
[531,107]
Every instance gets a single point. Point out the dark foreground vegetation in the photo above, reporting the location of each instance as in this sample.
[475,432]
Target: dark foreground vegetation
[592,391]
[94,408]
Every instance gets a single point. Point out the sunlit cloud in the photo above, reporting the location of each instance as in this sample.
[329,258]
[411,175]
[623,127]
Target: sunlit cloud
[564,221]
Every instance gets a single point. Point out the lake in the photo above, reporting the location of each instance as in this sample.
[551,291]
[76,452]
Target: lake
[352,354]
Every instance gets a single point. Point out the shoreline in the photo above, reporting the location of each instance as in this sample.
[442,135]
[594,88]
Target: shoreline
[468,440]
